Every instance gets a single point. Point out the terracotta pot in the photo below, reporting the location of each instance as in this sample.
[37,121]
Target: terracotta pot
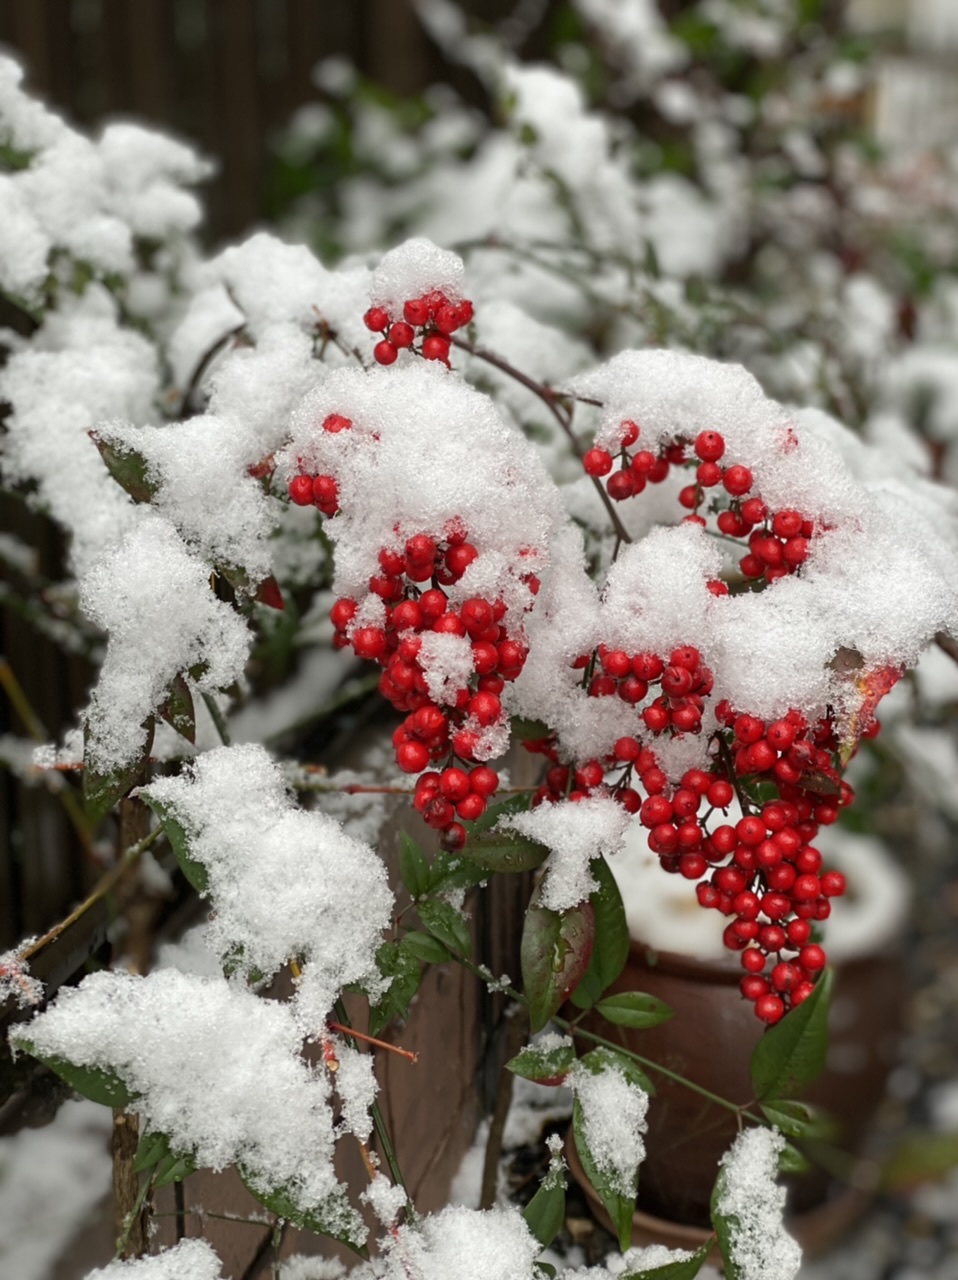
[710,1040]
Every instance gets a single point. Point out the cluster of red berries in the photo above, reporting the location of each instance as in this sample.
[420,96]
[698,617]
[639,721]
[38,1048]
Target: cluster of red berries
[320,491]
[778,542]
[431,318]
[433,733]
[684,681]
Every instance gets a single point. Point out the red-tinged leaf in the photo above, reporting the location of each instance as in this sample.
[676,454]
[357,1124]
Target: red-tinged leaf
[127,467]
[544,1066]
[268,593]
[178,711]
[556,949]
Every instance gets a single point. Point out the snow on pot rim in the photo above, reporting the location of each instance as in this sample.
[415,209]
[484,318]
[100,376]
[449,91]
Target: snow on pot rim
[662,911]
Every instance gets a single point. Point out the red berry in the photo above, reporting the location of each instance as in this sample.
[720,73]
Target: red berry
[709,445]
[416,311]
[458,559]
[454,784]
[620,486]
[301,491]
[769,1009]
[708,474]
[385,353]
[376,319]
[833,884]
[737,480]
[787,524]
[754,511]
[753,987]
[369,642]
[335,422]
[597,462]
[812,957]
[412,756]
[720,794]
[484,781]
[401,334]
[436,347]
[753,961]
[486,707]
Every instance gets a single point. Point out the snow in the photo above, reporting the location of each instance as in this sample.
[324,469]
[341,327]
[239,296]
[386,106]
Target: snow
[576,832]
[283,882]
[613,1118]
[760,1246]
[471,1244]
[188,1260]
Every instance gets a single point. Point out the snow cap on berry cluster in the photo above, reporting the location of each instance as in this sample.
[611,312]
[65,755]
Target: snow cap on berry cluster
[283,882]
[189,1260]
[154,599]
[470,1244]
[576,832]
[424,450]
[752,1201]
[213,1067]
[413,269]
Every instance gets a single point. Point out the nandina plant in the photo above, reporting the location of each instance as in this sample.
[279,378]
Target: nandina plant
[687,600]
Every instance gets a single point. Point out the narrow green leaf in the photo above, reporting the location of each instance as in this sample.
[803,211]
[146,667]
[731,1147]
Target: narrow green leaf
[173,1168]
[528,730]
[545,1212]
[611,949]
[450,871]
[447,924]
[413,866]
[687,1269]
[403,968]
[606,1059]
[555,952]
[634,1009]
[502,808]
[101,791]
[152,1148]
[178,710]
[725,1225]
[426,948]
[505,851]
[588,991]
[96,1083]
[544,1066]
[620,1207]
[791,1160]
[348,1229]
[194,871]
[799,1119]
[127,467]
[546,1269]
[792,1053]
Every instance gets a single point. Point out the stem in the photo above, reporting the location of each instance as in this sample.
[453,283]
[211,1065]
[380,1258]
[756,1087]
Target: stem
[217,718]
[380,1044]
[552,400]
[132,1217]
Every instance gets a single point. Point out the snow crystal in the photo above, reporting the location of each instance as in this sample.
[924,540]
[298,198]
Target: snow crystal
[188,1260]
[447,663]
[213,1067]
[760,1246]
[385,1198]
[154,600]
[412,269]
[576,832]
[283,882]
[613,1117]
[143,172]
[470,1244]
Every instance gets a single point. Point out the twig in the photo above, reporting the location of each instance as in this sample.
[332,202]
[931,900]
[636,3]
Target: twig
[379,1044]
[217,718]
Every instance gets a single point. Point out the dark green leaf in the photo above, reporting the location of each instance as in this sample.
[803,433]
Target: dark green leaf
[620,1207]
[791,1160]
[686,1270]
[493,812]
[545,1066]
[426,948]
[451,871]
[725,1225]
[403,968]
[505,851]
[101,791]
[588,991]
[546,1269]
[555,952]
[152,1148]
[611,948]
[606,1059]
[792,1053]
[95,1083]
[194,871]
[528,730]
[798,1119]
[127,467]
[173,1168]
[634,1009]
[447,924]
[413,866]
[178,711]
[348,1229]
[545,1212]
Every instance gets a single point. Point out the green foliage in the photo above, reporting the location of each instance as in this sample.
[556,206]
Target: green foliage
[194,871]
[396,961]
[610,948]
[545,1212]
[447,924]
[555,953]
[544,1066]
[635,1009]
[684,1270]
[336,1219]
[792,1053]
[96,1083]
[101,791]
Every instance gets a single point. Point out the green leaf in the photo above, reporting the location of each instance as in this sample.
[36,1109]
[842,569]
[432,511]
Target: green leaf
[611,949]
[127,467]
[634,1009]
[555,952]
[921,1156]
[686,1270]
[606,1059]
[403,968]
[173,1168]
[725,1225]
[152,1148]
[413,866]
[528,730]
[544,1066]
[96,1083]
[546,1269]
[792,1053]
[426,948]
[178,710]
[791,1160]
[619,1206]
[101,791]
[337,1210]
[194,871]
[545,1212]
[588,991]
[451,871]
[505,851]
[493,812]
[799,1119]
[447,924]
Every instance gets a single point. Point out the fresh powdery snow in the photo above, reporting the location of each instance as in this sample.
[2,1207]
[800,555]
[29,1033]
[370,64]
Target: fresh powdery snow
[613,1115]
[753,1202]
[188,1260]
[284,882]
[215,1068]
[468,1244]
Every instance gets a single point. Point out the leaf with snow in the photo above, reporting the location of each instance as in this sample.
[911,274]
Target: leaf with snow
[792,1054]
[747,1209]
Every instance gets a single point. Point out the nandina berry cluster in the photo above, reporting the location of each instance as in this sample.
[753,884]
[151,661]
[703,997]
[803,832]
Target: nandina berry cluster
[683,680]
[320,491]
[432,733]
[429,320]
[778,542]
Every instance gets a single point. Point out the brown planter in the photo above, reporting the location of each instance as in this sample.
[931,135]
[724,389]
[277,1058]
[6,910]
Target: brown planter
[710,1040]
